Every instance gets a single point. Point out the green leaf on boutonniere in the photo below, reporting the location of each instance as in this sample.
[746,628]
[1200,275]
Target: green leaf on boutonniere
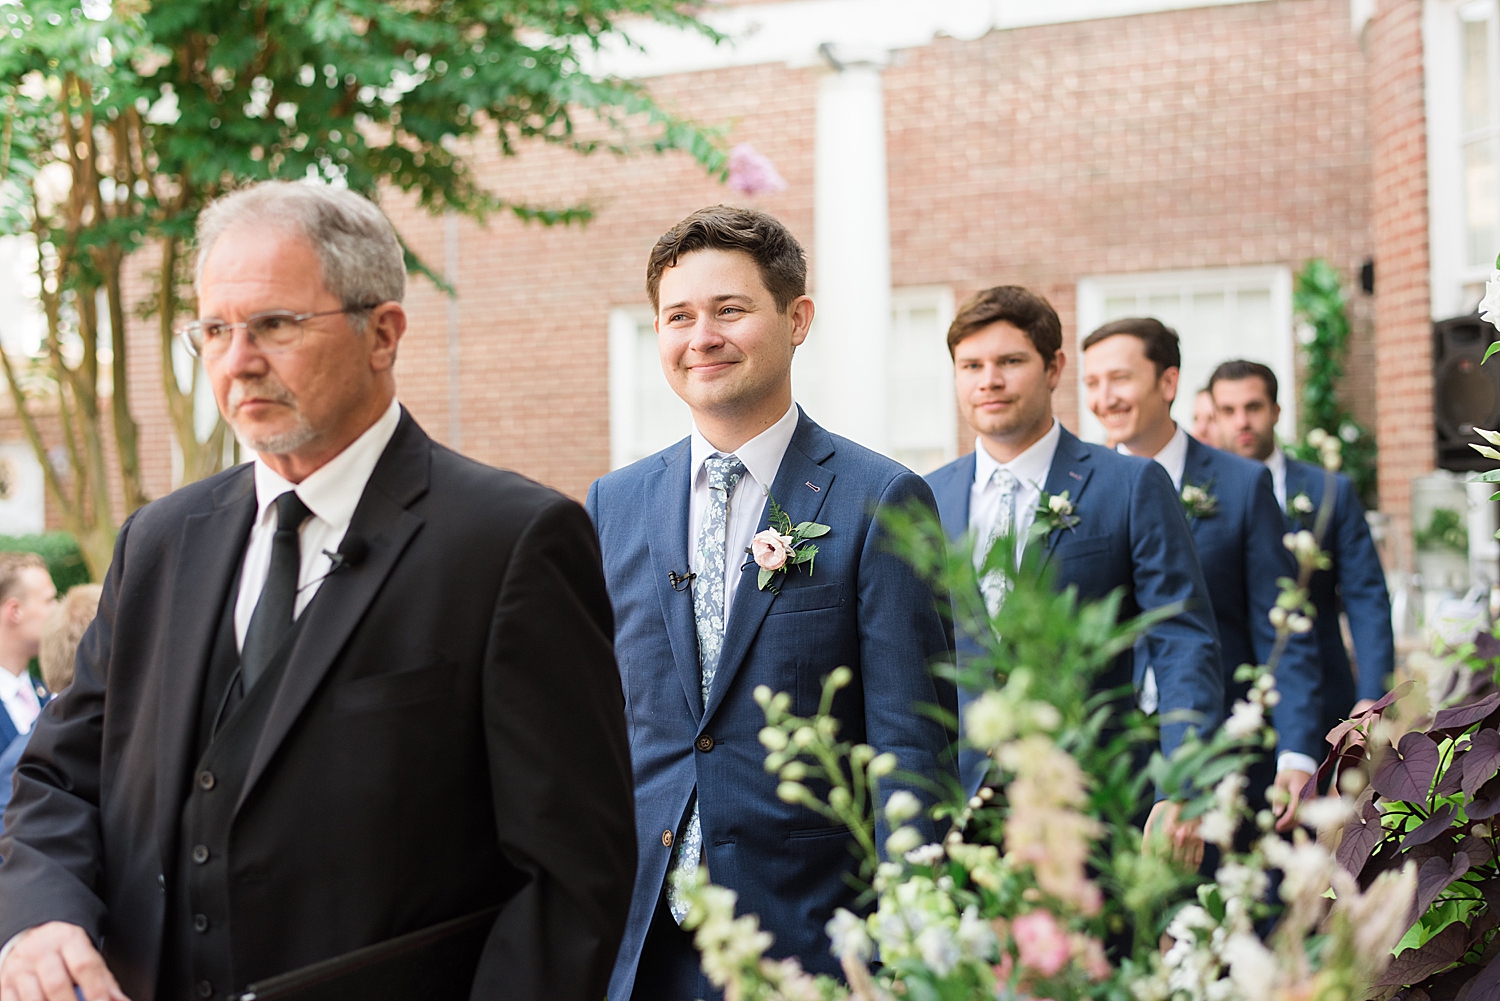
[810,530]
[764,579]
[789,541]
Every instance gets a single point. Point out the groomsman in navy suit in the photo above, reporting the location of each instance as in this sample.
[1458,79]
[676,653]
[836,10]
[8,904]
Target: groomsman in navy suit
[1006,344]
[1245,400]
[27,598]
[1130,372]
[695,634]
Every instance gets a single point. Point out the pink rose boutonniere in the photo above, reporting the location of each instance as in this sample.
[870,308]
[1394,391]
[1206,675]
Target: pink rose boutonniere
[783,547]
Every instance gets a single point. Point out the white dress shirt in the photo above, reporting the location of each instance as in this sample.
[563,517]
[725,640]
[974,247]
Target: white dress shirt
[1172,457]
[1030,469]
[761,456]
[20,700]
[1276,463]
[331,493]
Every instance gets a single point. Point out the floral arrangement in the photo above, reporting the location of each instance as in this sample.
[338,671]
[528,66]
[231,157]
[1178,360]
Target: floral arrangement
[783,547]
[1199,501]
[1054,512]
[1046,887]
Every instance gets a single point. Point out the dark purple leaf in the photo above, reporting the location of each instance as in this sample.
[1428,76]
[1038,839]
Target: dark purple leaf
[1453,775]
[1440,952]
[1482,761]
[1486,986]
[1434,877]
[1462,716]
[1431,827]
[1412,994]
[1486,802]
[1478,850]
[1361,834]
[1406,771]
[1336,735]
[1486,646]
[1491,890]
[1350,757]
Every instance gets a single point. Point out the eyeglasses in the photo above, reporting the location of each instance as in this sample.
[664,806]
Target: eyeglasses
[271,332]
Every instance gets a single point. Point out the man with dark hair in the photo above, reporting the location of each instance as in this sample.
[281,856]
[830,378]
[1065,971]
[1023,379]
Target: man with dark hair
[1130,372]
[1130,533]
[697,631]
[1244,394]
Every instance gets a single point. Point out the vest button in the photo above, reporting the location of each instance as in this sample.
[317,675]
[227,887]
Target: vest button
[200,922]
[704,743]
[666,839]
[205,989]
[200,855]
[205,780]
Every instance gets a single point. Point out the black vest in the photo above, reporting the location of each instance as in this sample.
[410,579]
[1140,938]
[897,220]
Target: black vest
[196,955]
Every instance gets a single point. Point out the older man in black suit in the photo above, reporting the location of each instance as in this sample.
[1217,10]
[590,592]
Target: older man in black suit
[356,688]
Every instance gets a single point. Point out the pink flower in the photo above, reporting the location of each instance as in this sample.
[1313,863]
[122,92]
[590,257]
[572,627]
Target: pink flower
[1041,941]
[1089,952]
[751,172]
[771,551]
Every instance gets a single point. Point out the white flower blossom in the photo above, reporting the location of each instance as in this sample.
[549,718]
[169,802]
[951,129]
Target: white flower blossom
[1245,719]
[990,720]
[902,806]
[928,855]
[1489,306]
[849,935]
[901,841]
[1325,813]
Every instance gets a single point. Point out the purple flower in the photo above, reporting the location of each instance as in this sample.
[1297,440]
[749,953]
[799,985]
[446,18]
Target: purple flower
[752,173]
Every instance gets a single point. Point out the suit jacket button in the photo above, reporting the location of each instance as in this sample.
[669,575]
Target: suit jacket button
[200,854]
[200,922]
[205,780]
[666,839]
[704,743]
[205,989]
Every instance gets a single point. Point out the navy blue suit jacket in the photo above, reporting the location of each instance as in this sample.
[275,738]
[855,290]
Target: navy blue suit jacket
[861,607]
[1131,534]
[14,743]
[1355,584]
[1242,554]
[8,731]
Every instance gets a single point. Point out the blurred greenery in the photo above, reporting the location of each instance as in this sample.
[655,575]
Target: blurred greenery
[59,549]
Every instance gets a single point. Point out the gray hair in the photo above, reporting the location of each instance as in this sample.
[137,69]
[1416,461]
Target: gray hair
[356,244]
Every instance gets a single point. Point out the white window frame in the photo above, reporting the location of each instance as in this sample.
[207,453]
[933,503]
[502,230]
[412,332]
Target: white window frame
[1093,291]
[1447,237]
[940,298]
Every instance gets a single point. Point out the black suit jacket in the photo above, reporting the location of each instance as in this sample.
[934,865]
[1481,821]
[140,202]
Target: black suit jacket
[449,734]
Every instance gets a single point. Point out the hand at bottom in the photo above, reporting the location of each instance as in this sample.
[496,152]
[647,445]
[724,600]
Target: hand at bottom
[1183,837]
[48,961]
[1284,807]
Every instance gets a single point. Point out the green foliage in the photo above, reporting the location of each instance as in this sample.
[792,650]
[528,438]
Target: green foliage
[1319,300]
[59,549]
[1444,530]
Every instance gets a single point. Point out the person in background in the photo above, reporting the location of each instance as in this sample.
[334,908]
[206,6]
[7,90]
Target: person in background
[1130,534]
[1204,428]
[27,597]
[62,633]
[1130,371]
[58,646]
[1244,395]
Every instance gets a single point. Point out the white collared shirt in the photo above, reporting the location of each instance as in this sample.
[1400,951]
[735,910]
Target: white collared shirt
[1172,457]
[1030,469]
[1276,463]
[331,493]
[21,702]
[761,456]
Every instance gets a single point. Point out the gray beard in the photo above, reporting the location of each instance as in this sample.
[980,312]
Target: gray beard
[284,443]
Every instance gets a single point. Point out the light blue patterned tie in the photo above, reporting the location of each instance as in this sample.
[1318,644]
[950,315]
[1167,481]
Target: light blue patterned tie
[724,474]
[995,585]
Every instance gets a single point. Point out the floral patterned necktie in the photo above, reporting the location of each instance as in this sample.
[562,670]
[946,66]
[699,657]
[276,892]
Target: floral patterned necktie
[995,585]
[724,474]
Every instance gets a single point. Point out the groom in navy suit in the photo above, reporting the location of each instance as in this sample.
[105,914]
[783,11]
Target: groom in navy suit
[1006,344]
[1244,394]
[695,634]
[1130,372]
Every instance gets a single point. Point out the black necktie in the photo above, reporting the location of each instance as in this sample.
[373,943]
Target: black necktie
[278,599]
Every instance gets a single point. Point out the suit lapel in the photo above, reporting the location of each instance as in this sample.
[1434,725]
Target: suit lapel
[953,496]
[1198,471]
[211,547]
[667,498]
[381,520]
[800,488]
[1071,470]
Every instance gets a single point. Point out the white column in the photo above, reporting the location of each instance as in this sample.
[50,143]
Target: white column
[852,256]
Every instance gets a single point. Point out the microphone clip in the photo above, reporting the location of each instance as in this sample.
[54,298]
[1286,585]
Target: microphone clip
[678,581]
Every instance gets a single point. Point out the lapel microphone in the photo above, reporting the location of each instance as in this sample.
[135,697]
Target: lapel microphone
[352,553]
[678,581]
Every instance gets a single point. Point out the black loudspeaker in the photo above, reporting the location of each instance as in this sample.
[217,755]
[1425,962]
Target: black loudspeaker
[1465,393]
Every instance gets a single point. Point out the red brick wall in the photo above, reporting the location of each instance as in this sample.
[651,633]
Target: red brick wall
[1403,317]
[1215,137]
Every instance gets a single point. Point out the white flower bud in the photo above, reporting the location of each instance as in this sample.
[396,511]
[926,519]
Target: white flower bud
[773,738]
[840,677]
[839,798]
[902,806]
[883,765]
[794,771]
[901,841]
[804,737]
[792,792]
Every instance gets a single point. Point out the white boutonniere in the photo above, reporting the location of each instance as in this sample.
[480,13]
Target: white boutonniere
[783,546]
[1054,511]
[1198,501]
[1300,508]
[1489,306]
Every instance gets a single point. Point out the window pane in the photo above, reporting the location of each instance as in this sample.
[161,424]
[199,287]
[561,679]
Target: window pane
[922,408]
[1481,201]
[1476,74]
